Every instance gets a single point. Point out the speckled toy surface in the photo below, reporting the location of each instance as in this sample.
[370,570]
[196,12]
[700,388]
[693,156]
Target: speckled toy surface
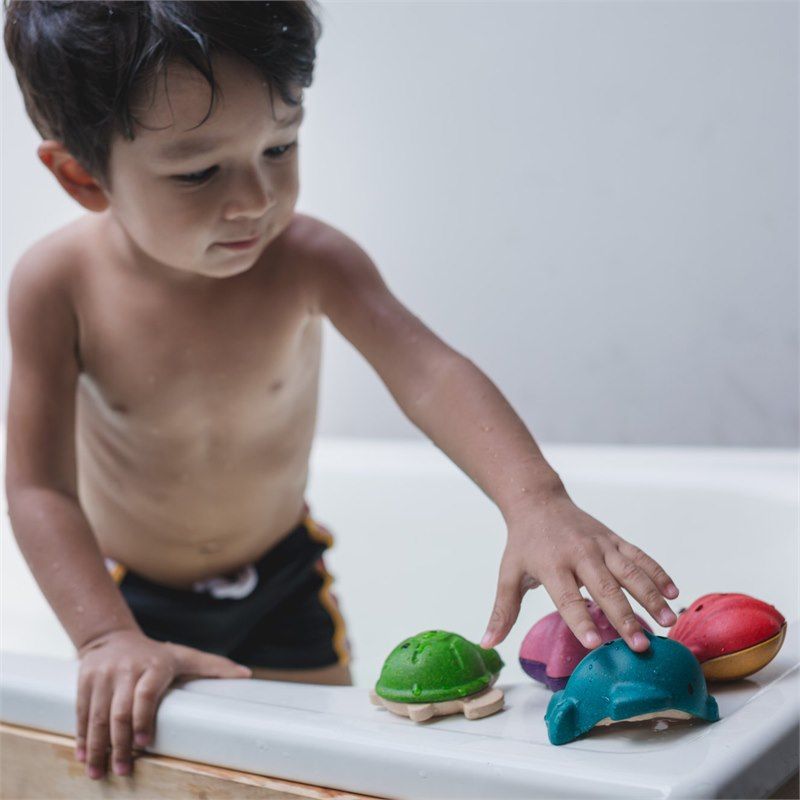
[614,683]
[438,672]
[731,635]
[550,650]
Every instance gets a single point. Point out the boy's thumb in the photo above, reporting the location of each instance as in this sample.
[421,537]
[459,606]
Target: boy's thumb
[210,665]
[222,667]
[504,613]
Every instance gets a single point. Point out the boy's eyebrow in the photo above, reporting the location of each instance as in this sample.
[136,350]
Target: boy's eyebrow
[184,148]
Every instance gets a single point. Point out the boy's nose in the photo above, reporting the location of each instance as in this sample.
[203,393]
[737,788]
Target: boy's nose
[253,196]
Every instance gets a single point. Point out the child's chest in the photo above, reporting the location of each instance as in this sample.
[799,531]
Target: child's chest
[245,352]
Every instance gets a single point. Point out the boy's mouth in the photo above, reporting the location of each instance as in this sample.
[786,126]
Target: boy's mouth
[241,244]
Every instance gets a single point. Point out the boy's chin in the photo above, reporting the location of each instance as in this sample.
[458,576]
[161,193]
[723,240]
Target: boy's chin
[230,264]
[227,269]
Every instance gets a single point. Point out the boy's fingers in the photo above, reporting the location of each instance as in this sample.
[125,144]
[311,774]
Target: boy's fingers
[146,696]
[98,739]
[665,584]
[506,608]
[571,605]
[122,725]
[639,584]
[606,591]
[82,714]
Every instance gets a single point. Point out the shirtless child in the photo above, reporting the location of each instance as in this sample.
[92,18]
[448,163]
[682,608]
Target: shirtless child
[164,384]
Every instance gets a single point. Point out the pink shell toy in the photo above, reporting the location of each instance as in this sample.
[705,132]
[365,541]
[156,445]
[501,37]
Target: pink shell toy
[550,650]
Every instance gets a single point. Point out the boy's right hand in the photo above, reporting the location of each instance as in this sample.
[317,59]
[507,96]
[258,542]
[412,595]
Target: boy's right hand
[123,676]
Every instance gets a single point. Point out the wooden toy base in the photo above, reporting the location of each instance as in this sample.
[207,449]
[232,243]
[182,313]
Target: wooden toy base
[670,713]
[474,706]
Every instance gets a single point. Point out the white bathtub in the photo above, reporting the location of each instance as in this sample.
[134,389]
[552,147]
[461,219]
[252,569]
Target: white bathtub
[417,547]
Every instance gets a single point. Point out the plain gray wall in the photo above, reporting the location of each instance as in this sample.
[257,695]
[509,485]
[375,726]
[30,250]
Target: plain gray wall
[596,202]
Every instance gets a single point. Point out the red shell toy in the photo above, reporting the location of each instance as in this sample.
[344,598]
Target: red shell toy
[731,635]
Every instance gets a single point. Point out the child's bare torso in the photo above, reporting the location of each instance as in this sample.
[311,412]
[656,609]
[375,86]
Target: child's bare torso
[195,409]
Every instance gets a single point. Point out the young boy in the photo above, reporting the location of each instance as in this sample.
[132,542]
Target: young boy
[164,381]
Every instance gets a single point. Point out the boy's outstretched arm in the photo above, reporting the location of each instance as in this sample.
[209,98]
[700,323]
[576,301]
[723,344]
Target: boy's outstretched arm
[551,542]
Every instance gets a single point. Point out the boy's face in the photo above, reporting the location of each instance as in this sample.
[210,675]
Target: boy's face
[176,206]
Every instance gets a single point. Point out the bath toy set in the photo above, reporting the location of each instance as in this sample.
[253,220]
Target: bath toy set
[720,637]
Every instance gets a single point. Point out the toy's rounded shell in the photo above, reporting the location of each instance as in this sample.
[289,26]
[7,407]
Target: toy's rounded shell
[435,666]
[614,683]
[731,635]
[550,650]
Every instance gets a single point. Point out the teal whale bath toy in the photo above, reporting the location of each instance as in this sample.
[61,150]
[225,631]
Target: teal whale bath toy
[614,683]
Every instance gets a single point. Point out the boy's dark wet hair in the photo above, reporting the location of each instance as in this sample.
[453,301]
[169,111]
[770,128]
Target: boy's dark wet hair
[81,64]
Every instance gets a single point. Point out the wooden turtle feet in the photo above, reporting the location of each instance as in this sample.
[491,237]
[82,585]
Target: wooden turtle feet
[474,706]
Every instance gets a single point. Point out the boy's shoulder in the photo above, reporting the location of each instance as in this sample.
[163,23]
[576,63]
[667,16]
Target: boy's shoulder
[328,254]
[51,261]
[317,239]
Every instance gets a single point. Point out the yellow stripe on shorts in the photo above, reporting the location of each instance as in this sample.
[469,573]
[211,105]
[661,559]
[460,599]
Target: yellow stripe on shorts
[339,628]
[117,573]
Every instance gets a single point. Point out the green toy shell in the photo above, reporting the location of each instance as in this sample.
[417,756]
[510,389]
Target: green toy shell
[434,666]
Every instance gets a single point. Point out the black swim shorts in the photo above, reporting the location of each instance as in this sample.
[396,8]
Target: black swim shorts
[277,613]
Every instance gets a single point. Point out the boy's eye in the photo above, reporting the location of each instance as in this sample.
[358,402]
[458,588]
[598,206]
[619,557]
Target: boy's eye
[273,153]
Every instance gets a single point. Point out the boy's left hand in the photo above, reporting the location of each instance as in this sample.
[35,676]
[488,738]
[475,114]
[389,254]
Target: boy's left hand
[555,544]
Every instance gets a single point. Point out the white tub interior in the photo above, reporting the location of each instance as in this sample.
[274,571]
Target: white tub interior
[417,547]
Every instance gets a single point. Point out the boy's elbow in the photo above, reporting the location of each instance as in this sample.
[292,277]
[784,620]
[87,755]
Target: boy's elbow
[20,495]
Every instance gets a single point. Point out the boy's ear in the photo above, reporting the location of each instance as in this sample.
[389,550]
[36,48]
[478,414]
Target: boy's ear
[77,182]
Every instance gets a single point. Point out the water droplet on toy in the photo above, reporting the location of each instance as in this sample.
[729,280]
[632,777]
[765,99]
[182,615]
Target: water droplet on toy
[422,773]
[80,609]
[661,725]
[284,28]
[415,690]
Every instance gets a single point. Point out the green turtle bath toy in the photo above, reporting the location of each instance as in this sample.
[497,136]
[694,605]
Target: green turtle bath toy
[436,673]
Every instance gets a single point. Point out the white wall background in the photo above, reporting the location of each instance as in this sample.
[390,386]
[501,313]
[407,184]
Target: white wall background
[597,202]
